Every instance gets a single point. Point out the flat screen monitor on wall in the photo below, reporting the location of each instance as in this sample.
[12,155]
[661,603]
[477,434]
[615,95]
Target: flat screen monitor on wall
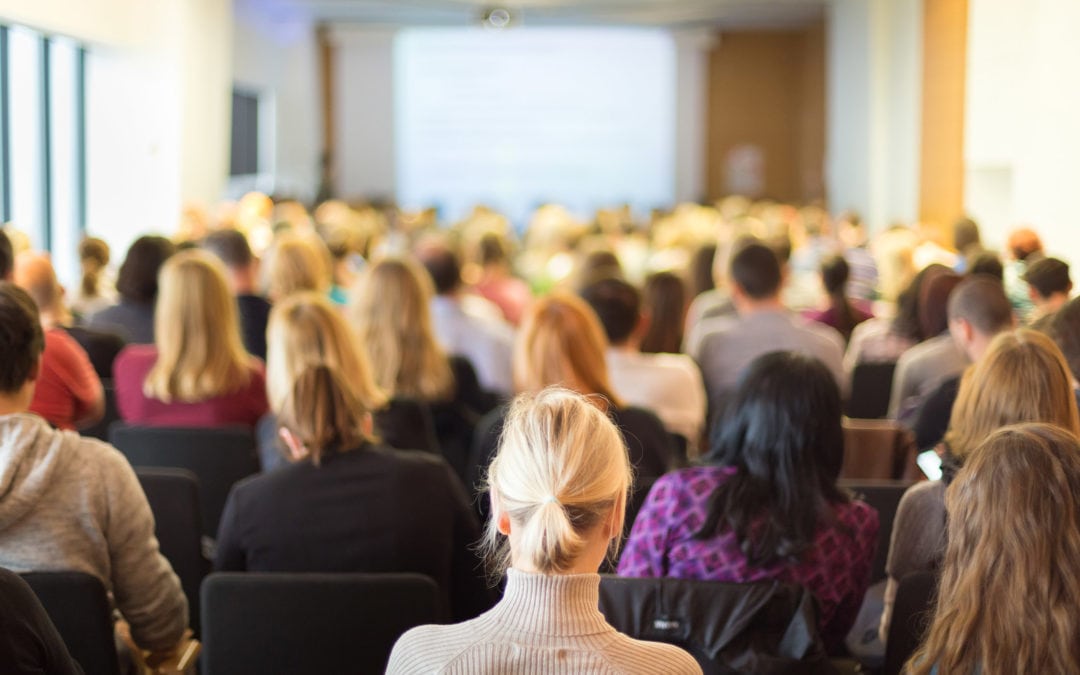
[517,118]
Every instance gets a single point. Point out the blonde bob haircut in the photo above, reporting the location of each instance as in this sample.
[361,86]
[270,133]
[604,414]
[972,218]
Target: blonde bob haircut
[561,342]
[305,329]
[1009,581]
[1022,377]
[390,308]
[197,333]
[560,471]
[296,262]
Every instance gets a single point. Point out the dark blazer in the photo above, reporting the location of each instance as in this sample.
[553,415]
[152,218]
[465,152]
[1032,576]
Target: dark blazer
[371,509]
[254,313]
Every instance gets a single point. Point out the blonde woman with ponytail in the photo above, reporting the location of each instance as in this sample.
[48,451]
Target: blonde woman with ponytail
[558,488]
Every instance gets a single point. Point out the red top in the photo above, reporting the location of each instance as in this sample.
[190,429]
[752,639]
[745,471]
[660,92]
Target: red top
[67,385]
[243,406]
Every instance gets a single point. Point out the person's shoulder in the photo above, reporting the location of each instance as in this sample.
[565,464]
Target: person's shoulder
[818,332]
[643,656]
[137,353]
[859,514]
[429,649]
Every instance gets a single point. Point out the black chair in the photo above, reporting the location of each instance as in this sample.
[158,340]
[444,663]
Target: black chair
[79,608]
[173,495]
[912,613]
[884,496]
[218,457]
[100,429]
[871,387]
[762,628]
[310,623]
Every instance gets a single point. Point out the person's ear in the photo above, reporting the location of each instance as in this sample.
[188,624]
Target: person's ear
[297,451]
[503,523]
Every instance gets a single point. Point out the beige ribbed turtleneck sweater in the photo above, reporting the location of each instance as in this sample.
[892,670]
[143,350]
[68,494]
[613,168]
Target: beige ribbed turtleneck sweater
[543,624]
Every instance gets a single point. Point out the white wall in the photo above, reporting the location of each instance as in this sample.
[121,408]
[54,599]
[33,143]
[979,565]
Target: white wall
[692,49]
[873,99]
[277,56]
[1023,141]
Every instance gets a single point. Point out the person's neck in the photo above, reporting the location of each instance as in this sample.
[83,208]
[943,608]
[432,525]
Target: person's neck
[55,318]
[17,402]
[745,305]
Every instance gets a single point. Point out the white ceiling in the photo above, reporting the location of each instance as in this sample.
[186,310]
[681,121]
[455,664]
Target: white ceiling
[728,14]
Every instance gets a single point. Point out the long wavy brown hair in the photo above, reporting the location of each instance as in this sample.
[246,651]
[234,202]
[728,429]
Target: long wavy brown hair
[1008,600]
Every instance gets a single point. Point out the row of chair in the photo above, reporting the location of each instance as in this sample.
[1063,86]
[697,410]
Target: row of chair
[348,623]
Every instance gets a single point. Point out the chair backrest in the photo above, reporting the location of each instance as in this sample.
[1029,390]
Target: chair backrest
[78,606]
[912,613]
[100,430]
[884,496]
[218,457]
[876,450]
[173,495]
[871,387]
[762,628]
[310,623]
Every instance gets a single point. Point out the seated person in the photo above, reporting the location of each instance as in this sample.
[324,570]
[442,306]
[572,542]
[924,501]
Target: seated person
[68,392]
[349,504]
[668,384]
[841,313]
[197,373]
[242,269]
[562,343]
[73,503]
[1007,597]
[306,329]
[1049,286]
[137,285]
[766,504]
[1022,377]
[558,490]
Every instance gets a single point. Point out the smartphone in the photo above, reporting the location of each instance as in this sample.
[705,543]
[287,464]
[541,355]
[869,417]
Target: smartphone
[930,463]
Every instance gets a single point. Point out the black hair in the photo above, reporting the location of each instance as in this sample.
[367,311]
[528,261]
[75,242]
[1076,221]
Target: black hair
[664,300]
[21,337]
[756,270]
[989,264]
[443,266]
[834,276]
[137,280]
[782,435]
[618,305]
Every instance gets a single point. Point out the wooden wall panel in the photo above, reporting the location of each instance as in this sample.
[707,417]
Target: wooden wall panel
[941,181]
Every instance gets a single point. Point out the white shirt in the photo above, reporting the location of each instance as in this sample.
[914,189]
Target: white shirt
[669,385]
[487,343]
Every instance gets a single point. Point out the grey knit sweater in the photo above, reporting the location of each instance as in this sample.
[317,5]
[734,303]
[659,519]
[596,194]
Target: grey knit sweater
[543,624]
[72,503]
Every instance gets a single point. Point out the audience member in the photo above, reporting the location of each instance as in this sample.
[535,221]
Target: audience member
[94,291]
[562,343]
[968,244]
[73,503]
[29,641]
[883,340]
[307,329]
[1049,286]
[558,489]
[1022,377]
[67,392]
[766,505]
[345,245]
[348,504]
[296,262]
[1064,328]
[1024,247]
[989,264]
[232,248]
[497,283]
[668,384]
[1006,601]
[841,314]
[700,270]
[863,279]
[197,373]
[664,303]
[137,287]
[922,368]
[978,311]
[391,311]
[763,325]
[487,344]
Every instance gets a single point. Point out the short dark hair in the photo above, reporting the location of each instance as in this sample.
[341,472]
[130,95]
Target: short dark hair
[7,256]
[782,434]
[1048,276]
[443,266]
[988,263]
[21,337]
[617,303]
[981,301]
[137,280]
[834,274]
[1065,331]
[231,246]
[756,270]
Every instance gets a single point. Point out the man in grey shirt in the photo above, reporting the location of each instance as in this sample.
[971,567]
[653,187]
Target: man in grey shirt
[729,344]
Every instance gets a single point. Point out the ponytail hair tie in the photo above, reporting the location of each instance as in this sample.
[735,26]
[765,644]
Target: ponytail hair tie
[550,499]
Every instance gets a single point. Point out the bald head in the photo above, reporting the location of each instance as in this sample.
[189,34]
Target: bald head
[34,273]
